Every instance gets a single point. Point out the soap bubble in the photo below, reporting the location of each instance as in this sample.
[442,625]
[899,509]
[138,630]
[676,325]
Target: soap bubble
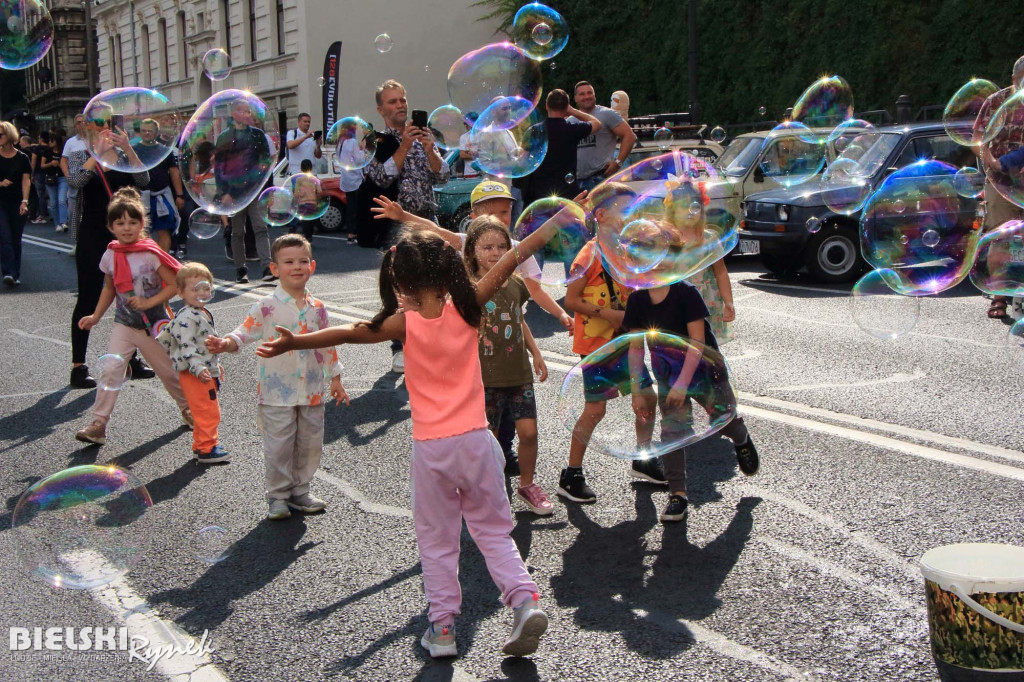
[229,150]
[82,527]
[879,310]
[355,142]
[480,77]
[510,138]
[26,33]
[969,182]
[217,64]
[643,244]
[383,43]
[203,224]
[112,372]
[828,101]
[607,374]
[574,231]
[762,110]
[941,240]
[130,129]
[850,130]
[275,206]
[1015,345]
[204,290]
[999,266]
[320,81]
[1003,133]
[718,134]
[539,31]
[447,125]
[793,154]
[813,225]
[426,67]
[844,186]
[309,201]
[964,106]
[569,178]
[212,544]
[663,138]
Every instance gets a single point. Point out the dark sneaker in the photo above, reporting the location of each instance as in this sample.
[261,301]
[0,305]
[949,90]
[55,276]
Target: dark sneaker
[675,510]
[746,457]
[140,370]
[251,255]
[511,464]
[80,377]
[572,485]
[268,276]
[9,280]
[216,455]
[242,275]
[649,470]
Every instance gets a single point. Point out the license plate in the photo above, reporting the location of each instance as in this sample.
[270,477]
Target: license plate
[750,246]
[1017,255]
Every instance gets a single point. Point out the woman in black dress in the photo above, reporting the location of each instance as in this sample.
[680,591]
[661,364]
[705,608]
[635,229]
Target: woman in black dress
[15,186]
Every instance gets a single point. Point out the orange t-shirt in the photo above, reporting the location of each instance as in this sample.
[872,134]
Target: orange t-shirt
[590,333]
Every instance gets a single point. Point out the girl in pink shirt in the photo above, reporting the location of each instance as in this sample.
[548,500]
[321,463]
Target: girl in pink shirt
[457,465]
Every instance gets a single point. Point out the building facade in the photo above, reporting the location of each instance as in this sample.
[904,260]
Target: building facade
[277,49]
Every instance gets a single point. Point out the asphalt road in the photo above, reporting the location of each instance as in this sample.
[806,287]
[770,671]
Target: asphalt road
[872,453]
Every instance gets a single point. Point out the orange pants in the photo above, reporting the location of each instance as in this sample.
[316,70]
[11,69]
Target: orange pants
[202,400]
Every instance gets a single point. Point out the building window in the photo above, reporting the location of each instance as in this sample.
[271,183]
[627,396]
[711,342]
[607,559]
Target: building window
[146,69]
[118,66]
[279,11]
[164,50]
[225,12]
[252,29]
[182,48]
[111,56]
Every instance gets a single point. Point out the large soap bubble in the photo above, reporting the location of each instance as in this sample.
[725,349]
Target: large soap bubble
[999,266]
[844,186]
[969,182]
[574,231]
[354,141]
[204,225]
[1006,148]
[217,64]
[275,206]
[229,148]
[447,126]
[82,527]
[963,106]
[793,154]
[509,138]
[130,129]
[309,201]
[917,226]
[477,78]
[112,372]
[26,33]
[647,365]
[539,31]
[828,101]
[879,310]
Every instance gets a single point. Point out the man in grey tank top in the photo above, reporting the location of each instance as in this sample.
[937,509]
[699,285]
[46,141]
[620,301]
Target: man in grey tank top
[596,156]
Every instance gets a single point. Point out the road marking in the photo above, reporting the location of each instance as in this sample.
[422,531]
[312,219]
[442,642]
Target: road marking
[47,243]
[817,290]
[737,299]
[30,335]
[354,494]
[898,378]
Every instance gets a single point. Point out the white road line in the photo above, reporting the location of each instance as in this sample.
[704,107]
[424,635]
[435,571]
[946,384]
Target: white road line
[30,335]
[45,244]
[354,494]
[754,283]
[745,355]
[737,299]
[898,378]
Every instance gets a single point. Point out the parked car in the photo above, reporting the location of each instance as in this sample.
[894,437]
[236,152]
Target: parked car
[777,220]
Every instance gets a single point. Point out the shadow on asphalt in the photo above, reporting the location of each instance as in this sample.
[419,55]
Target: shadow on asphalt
[384,405]
[25,426]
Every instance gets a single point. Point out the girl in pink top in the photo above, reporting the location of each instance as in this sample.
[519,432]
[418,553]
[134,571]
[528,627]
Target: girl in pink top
[457,465]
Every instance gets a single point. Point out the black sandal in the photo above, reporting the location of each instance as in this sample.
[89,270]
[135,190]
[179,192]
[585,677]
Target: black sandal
[997,311]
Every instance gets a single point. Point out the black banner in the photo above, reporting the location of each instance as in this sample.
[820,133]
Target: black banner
[332,62]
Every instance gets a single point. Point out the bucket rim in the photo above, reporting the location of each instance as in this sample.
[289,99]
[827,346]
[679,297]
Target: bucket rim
[939,565]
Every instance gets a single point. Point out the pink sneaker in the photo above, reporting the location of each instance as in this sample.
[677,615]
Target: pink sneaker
[534,497]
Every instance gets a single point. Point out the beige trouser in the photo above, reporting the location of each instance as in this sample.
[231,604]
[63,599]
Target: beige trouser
[998,210]
[123,341]
[293,440]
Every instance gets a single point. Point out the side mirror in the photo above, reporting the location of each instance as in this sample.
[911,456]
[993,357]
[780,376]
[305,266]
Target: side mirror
[758,174]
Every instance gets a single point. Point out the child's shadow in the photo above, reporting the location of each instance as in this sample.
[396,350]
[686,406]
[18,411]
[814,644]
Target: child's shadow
[384,405]
[25,427]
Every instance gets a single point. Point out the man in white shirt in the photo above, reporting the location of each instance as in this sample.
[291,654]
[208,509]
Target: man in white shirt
[302,144]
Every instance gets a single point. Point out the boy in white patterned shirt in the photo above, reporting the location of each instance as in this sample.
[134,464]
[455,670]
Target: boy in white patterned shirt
[290,387]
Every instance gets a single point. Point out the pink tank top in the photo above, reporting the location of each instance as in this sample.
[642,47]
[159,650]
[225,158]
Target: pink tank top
[442,375]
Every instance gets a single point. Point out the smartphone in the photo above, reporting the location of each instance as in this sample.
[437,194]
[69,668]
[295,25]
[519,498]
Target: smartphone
[117,123]
[317,134]
[419,118]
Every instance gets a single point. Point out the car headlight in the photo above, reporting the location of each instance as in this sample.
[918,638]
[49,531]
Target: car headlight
[746,210]
[783,212]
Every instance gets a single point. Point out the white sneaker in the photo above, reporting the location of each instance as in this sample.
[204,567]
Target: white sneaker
[307,504]
[530,623]
[398,362]
[59,228]
[441,642]
[279,510]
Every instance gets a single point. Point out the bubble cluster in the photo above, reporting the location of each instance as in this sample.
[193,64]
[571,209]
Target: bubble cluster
[130,129]
[112,372]
[879,310]
[793,154]
[82,527]
[354,141]
[309,201]
[447,125]
[510,138]
[203,225]
[999,266]
[383,43]
[717,134]
[212,544]
[26,33]
[204,290]
[635,373]
[480,77]
[573,232]
[828,101]
[1004,144]
[229,149]
[539,31]
[217,64]
[964,106]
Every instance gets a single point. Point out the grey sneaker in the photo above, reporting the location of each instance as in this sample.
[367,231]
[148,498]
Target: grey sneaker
[439,642]
[278,510]
[529,624]
[307,504]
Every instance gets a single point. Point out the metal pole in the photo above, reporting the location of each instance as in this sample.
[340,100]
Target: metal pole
[693,93]
[135,49]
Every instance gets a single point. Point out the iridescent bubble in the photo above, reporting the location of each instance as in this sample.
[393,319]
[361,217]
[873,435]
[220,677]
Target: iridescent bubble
[1015,345]
[852,129]
[941,240]
[762,110]
[212,544]
[426,67]
[26,33]
[573,233]
[383,43]
[717,134]
[663,138]
[969,182]
[510,138]
[634,373]
[964,106]
[879,310]
[320,81]
[275,206]
[844,187]
[309,201]
[203,290]
[112,372]
[569,178]
[203,224]
[217,64]
[999,266]
[82,527]
[793,154]
[643,244]
[355,142]
[551,66]
[229,149]
[539,31]
[447,125]
[479,77]
[827,102]
[130,129]
[813,224]
[1005,143]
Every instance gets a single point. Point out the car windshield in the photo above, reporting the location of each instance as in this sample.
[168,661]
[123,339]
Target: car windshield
[871,156]
[738,156]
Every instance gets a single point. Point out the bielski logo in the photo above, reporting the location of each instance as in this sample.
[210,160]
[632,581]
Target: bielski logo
[135,647]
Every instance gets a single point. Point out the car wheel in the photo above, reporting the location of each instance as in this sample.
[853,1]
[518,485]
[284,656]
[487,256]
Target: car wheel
[332,219]
[780,263]
[833,254]
[461,219]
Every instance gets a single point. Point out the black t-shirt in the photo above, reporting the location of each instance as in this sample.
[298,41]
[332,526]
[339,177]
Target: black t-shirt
[95,200]
[683,304]
[159,175]
[560,161]
[39,150]
[13,169]
[49,155]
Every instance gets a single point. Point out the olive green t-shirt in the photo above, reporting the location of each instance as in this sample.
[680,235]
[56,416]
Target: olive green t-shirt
[503,356]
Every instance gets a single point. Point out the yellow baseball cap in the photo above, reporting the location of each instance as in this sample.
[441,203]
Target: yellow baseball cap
[489,189]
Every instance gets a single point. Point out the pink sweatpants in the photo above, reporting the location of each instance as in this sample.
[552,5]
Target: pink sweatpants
[455,478]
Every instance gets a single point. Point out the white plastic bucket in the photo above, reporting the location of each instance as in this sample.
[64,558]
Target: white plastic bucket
[975,594]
